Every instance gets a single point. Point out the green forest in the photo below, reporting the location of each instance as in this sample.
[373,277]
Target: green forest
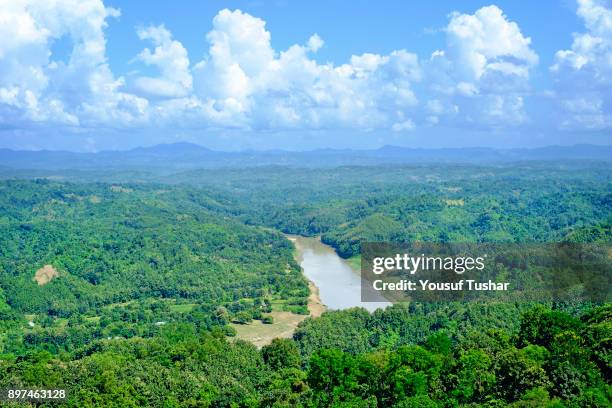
[125,289]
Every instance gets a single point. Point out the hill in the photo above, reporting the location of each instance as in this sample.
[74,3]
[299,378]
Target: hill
[191,156]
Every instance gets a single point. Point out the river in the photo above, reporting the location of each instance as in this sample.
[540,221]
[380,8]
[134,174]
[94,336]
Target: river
[339,285]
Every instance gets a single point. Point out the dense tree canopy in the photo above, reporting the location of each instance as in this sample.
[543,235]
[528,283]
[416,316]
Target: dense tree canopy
[123,293]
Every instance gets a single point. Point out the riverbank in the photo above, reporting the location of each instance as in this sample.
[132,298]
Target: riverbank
[315,305]
[334,282]
[338,279]
[285,323]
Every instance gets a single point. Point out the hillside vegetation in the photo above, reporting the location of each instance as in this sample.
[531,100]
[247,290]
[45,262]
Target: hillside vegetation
[150,278]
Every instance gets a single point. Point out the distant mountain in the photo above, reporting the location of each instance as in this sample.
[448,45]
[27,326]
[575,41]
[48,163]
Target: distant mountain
[484,154]
[191,156]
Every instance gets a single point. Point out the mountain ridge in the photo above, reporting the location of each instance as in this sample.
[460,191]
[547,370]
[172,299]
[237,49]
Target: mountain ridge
[184,155]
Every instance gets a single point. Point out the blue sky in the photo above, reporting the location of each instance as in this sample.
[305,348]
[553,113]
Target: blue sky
[93,75]
[348,27]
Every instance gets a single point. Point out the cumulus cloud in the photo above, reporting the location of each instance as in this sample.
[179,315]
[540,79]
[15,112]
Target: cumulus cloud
[480,79]
[583,73]
[315,42]
[170,57]
[35,89]
[486,43]
[246,81]
[480,76]
[242,82]
[403,126]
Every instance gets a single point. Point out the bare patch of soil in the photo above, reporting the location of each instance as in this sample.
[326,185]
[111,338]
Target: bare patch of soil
[455,203]
[45,274]
[315,306]
[120,189]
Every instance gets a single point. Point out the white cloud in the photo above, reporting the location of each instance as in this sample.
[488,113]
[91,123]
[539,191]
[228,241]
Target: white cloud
[36,89]
[246,81]
[239,51]
[171,58]
[315,43]
[583,74]
[483,72]
[480,79]
[404,126]
[486,42]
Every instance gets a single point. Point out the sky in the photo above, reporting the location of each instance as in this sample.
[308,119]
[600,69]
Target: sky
[88,75]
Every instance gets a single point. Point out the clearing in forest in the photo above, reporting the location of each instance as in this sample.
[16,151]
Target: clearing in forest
[45,274]
[284,324]
[455,203]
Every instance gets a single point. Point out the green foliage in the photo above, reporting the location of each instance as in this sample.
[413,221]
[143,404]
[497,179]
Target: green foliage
[474,376]
[530,202]
[281,353]
[130,259]
[540,326]
[151,275]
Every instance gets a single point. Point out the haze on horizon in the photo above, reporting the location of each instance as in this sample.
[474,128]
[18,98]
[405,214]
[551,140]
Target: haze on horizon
[91,75]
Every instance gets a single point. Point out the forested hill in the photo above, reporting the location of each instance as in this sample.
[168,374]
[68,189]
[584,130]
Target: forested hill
[127,294]
[191,156]
[87,261]
[529,202]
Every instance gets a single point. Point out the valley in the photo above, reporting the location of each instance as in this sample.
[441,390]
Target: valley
[202,276]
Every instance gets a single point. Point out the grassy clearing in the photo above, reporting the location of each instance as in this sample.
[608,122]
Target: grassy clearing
[183,307]
[455,203]
[119,304]
[261,334]
[61,322]
[278,305]
[284,324]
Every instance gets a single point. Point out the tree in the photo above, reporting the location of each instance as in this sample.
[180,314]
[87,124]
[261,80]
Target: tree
[515,374]
[281,353]
[475,378]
